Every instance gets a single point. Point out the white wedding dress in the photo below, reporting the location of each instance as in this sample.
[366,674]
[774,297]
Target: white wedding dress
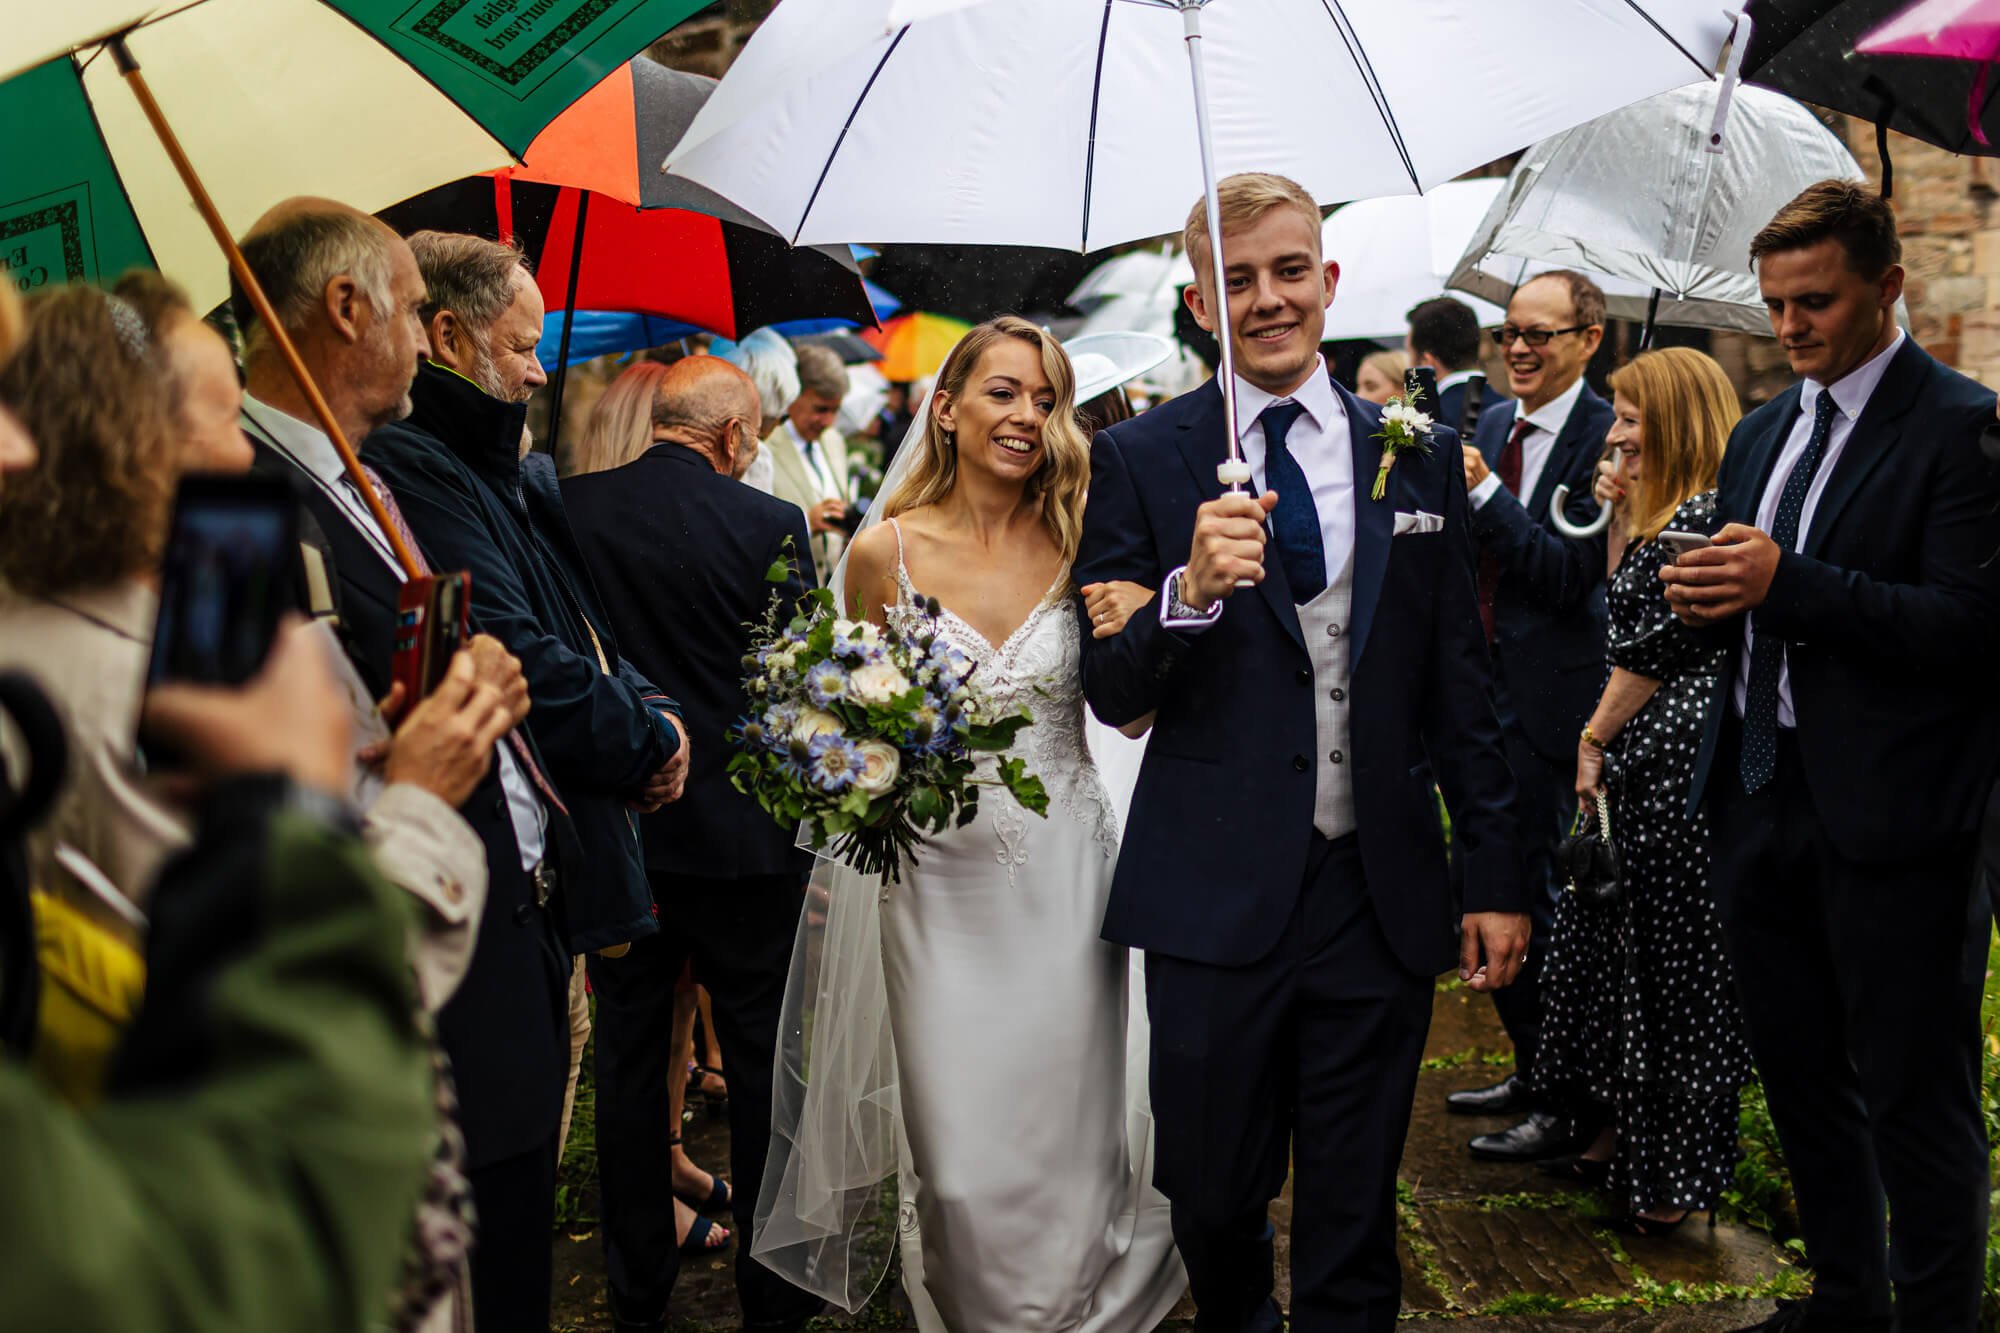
[1020,1040]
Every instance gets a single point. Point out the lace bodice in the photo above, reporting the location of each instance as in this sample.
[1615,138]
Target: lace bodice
[1038,669]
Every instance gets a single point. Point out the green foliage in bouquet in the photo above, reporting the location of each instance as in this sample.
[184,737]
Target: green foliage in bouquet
[868,737]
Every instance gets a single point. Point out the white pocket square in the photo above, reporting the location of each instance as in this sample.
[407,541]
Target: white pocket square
[1418,522]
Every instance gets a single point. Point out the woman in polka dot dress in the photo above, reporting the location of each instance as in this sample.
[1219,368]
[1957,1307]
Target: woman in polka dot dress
[1641,1026]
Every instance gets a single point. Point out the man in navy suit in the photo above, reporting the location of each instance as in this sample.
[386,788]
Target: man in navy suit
[682,553]
[1444,335]
[1284,868]
[1846,764]
[1541,595]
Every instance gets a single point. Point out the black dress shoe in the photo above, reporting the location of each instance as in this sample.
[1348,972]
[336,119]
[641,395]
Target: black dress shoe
[1540,1135]
[1510,1096]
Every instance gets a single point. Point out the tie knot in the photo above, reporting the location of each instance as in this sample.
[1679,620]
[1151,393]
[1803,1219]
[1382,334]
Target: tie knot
[1277,421]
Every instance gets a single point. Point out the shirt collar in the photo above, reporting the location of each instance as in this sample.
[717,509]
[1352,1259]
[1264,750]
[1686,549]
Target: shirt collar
[1456,378]
[799,441]
[1553,415]
[1852,391]
[1316,396]
[306,443]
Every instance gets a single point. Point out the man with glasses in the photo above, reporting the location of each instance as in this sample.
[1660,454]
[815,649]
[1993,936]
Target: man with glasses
[1541,595]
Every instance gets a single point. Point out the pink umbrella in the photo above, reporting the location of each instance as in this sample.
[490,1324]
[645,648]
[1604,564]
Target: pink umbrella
[1952,29]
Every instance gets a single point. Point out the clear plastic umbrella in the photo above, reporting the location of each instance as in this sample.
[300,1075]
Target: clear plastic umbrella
[1632,198]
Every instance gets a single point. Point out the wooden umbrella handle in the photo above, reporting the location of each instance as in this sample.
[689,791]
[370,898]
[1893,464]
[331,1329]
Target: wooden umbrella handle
[128,67]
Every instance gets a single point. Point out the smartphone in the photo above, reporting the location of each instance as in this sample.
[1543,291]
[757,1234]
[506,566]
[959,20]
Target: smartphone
[229,575]
[850,522]
[1680,543]
[433,621]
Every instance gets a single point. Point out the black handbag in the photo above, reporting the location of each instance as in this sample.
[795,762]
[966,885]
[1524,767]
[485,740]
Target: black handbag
[1588,860]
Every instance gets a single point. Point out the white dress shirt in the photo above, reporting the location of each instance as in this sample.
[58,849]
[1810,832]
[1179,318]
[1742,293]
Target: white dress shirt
[1320,443]
[1457,377]
[1547,422]
[308,447]
[1851,393]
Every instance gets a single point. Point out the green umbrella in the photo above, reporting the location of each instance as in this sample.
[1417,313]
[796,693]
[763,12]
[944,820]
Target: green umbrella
[366,101]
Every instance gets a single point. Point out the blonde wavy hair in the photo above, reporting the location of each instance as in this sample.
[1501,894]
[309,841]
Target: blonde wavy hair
[1687,407]
[1065,472]
[621,422]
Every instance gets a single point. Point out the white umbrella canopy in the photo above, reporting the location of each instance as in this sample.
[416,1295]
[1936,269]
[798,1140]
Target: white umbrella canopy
[1633,199]
[1396,251]
[1071,125]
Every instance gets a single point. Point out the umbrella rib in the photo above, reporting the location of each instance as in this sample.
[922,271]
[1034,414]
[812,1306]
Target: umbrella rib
[1090,149]
[1338,17]
[846,125]
[1672,40]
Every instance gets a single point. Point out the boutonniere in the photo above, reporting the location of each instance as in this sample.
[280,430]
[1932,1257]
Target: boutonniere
[1403,429]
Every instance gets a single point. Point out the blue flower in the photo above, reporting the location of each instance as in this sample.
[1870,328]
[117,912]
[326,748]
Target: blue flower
[826,683]
[835,764]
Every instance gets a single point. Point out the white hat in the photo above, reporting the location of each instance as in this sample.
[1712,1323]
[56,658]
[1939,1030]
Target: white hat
[1103,361]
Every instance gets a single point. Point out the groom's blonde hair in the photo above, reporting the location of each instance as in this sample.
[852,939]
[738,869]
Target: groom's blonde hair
[1242,199]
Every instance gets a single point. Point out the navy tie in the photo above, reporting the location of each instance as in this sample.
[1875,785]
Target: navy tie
[1295,522]
[1767,651]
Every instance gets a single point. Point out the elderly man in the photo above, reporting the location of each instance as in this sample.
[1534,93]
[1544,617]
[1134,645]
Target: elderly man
[349,294]
[726,876]
[810,456]
[1541,595]
[469,491]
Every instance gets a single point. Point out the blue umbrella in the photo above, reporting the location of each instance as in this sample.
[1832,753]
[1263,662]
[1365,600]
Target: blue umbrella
[613,332]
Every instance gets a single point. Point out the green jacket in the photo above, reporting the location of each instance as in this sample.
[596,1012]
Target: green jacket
[260,1149]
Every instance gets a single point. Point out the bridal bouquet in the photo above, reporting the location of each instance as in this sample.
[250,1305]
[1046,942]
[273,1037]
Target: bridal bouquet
[869,737]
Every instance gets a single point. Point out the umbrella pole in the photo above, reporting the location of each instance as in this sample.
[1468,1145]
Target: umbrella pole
[569,322]
[128,67]
[1234,472]
[1652,320]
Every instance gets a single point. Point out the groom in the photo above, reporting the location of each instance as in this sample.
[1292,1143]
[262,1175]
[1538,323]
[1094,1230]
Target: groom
[1285,867]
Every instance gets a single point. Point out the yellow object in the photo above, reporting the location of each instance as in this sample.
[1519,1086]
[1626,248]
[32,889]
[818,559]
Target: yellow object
[92,980]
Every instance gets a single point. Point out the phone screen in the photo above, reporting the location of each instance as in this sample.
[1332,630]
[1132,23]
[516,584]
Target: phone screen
[229,574]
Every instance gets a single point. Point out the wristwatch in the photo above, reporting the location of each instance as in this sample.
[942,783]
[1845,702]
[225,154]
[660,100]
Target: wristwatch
[1590,739]
[1178,608]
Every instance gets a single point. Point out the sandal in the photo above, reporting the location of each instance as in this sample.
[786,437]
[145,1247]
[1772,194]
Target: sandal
[715,1097]
[1576,1167]
[705,1237]
[1633,1224]
[718,1196]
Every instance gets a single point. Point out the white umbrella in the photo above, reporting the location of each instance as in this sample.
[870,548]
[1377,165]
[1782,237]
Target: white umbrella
[1069,124]
[1397,251]
[1632,199]
[1134,292]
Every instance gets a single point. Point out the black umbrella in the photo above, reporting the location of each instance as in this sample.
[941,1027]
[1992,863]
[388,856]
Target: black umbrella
[1806,48]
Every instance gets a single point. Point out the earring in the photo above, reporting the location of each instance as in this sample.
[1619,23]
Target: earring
[951,439]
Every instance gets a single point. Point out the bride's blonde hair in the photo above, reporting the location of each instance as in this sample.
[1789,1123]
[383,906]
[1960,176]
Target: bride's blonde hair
[1065,470]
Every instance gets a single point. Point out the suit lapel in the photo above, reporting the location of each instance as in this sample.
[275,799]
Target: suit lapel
[1871,441]
[786,459]
[1557,465]
[1374,520]
[1742,506]
[1204,444]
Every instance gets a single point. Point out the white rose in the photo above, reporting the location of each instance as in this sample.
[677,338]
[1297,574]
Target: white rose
[1393,410]
[815,722]
[880,763]
[848,629]
[877,683]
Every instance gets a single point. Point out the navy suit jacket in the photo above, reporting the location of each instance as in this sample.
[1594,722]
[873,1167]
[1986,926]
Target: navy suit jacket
[1890,612]
[1548,610]
[680,554]
[1222,818]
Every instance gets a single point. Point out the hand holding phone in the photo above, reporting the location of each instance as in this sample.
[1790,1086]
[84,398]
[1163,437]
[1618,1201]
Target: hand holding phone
[1680,543]
[229,574]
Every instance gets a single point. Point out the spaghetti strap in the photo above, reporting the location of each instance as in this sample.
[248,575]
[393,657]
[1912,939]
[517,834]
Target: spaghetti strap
[903,585]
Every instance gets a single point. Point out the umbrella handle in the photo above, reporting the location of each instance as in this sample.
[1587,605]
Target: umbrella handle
[1732,74]
[1560,520]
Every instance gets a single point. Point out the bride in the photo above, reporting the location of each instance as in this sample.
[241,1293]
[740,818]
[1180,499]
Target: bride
[1008,1090]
